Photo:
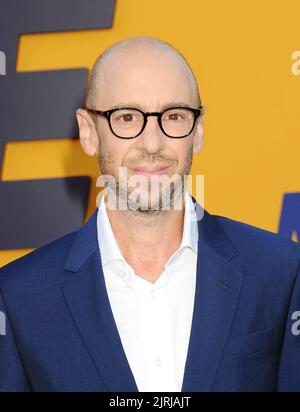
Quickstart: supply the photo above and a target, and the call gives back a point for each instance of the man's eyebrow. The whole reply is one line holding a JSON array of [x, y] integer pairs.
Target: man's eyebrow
[[137, 106]]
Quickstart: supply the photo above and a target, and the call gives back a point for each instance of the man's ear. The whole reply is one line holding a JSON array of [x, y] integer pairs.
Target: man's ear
[[87, 132], [199, 136]]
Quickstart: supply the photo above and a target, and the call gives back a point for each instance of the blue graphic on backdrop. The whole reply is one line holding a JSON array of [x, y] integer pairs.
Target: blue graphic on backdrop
[[41, 105]]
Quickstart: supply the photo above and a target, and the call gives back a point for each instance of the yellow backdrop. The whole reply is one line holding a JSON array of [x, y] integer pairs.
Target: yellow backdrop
[[243, 54]]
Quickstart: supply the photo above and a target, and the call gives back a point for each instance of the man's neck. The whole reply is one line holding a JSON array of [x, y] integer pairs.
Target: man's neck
[[147, 242]]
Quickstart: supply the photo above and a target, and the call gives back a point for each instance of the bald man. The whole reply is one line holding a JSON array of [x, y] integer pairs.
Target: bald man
[[153, 293]]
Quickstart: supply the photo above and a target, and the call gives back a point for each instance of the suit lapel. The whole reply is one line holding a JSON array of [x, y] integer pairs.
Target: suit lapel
[[88, 303], [219, 279], [218, 283]]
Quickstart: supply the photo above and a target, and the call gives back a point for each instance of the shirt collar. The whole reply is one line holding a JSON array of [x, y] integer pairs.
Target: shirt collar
[[108, 244], [190, 226]]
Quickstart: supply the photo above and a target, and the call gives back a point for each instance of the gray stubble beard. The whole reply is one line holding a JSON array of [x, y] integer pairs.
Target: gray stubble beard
[[175, 195]]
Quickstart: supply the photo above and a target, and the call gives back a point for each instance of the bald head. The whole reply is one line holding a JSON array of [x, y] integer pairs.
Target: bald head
[[133, 52]]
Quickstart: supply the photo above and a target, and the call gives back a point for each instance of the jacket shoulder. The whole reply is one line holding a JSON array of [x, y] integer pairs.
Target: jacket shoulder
[[45, 259], [258, 242]]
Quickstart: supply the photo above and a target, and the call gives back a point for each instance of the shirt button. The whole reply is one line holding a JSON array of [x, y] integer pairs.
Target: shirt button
[[152, 293], [122, 273], [157, 362]]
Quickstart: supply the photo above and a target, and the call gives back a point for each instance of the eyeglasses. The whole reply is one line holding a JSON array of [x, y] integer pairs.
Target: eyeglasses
[[128, 122]]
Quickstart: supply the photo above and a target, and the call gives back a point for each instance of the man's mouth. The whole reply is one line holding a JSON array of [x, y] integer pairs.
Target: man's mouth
[[146, 171]]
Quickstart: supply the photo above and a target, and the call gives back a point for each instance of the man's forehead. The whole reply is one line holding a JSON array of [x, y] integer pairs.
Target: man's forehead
[[144, 66], [159, 103], [147, 98], [143, 75]]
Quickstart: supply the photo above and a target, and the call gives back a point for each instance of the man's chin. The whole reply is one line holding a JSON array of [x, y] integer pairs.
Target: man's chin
[[146, 205], [153, 204]]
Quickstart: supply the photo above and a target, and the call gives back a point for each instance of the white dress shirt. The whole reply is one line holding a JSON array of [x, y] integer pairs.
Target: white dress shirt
[[153, 320]]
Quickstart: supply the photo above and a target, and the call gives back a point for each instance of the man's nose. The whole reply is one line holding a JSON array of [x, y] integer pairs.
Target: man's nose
[[152, 139]]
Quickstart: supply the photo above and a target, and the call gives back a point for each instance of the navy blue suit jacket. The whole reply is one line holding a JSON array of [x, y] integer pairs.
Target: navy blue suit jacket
[[61, 334]]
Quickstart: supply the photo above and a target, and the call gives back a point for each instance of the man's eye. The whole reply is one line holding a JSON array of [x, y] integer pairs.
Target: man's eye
[[128, 117], [175, 116]]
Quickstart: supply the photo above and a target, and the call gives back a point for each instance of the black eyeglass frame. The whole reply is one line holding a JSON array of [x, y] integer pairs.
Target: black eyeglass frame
[[107, 114]]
